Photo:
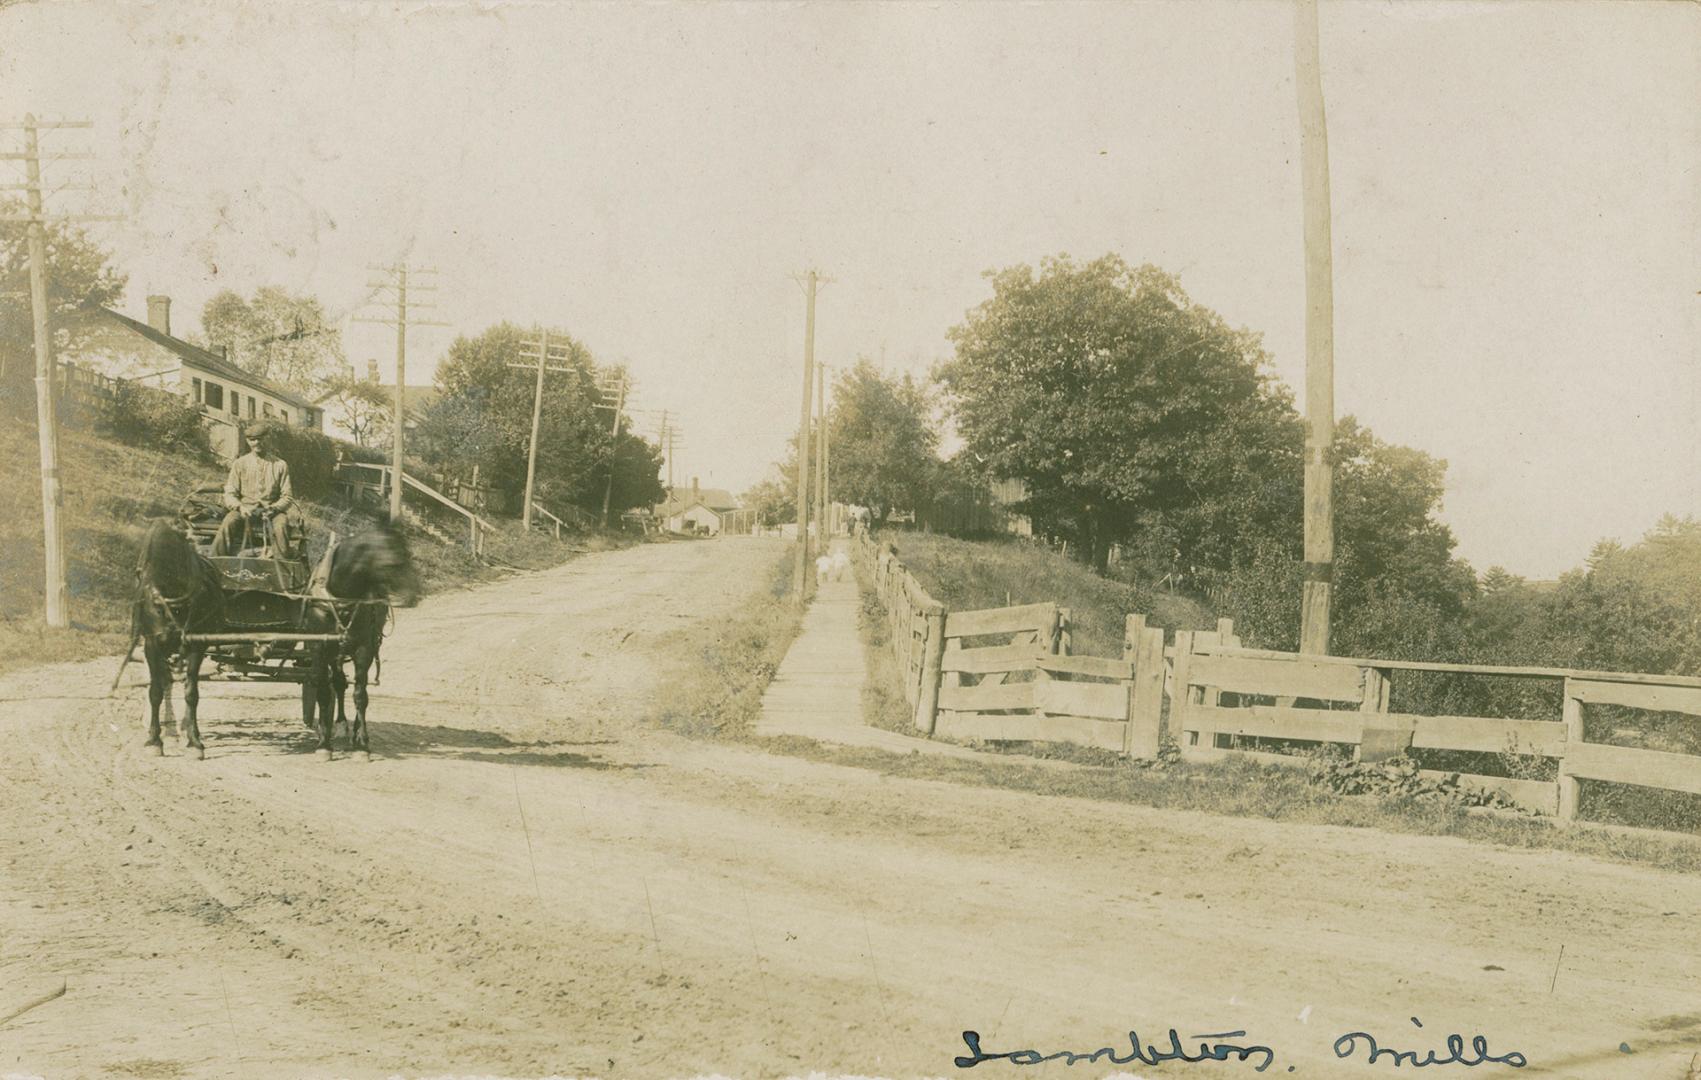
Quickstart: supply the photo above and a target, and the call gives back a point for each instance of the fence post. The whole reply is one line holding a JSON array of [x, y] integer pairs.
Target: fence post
[[1065, 639], [1570, 789], [1144, 645], [1181, 694], [933, 655], [1377, 741], [1132, 627]]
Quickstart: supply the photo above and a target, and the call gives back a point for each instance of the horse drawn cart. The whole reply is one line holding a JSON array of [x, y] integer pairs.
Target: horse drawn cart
[[261, 617], [266, 599]]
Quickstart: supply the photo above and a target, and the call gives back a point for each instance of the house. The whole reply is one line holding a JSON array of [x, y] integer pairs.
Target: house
[[697, 509], [119, 347], [416, 399]]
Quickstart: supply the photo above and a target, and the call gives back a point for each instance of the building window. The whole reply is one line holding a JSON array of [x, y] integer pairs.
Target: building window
[[197, 398], [235, 404], [266, 408], [283, 414], [250, 406], [214, 395]]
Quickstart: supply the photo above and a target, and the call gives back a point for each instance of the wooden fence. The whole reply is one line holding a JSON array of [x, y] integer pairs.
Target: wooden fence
[[370, 482], [1007, 674]]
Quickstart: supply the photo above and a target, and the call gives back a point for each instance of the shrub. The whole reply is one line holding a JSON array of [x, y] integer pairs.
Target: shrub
[[157, 419], [312, 458]]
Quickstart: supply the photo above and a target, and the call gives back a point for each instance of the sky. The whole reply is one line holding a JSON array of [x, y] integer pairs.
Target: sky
[[1516, 210]]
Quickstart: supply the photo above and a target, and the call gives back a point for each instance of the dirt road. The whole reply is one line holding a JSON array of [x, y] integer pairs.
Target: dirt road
[[529, 880]]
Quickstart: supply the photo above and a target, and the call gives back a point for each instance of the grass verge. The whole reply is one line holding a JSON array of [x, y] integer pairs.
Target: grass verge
[[714, 688], [1247, 789]]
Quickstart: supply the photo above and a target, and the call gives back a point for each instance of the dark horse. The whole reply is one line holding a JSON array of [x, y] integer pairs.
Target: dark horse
[[177, 593], [368, 572]]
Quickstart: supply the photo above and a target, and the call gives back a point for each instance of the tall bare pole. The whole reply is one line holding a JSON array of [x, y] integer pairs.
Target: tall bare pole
[[1319, 335], [800, 579], [399, 413], [821, 452], [401, 321], [826, 465], [539, 348], [56, 605]]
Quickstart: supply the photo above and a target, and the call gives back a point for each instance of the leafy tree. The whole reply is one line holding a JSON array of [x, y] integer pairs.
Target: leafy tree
[[774, 499], [1123, 404], [1399, 590], [277, 335], [1386, 499], [366, 408], [79, 271], [882, 440], [637, 475], [483, 418]]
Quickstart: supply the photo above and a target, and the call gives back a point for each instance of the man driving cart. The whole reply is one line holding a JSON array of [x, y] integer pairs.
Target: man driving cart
[[257, 495]]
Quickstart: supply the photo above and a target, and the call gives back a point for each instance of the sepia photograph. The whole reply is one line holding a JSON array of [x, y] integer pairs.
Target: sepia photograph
[[807, 538]]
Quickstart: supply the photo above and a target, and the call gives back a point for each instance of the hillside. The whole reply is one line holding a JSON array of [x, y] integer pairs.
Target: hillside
[[112, 492]]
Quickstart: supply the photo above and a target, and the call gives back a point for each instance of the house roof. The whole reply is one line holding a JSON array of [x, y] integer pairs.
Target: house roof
[[210, 362], [418, 397], [680, 500]]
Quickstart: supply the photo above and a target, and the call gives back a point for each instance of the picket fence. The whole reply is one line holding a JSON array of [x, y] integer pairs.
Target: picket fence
[[1008, 674]]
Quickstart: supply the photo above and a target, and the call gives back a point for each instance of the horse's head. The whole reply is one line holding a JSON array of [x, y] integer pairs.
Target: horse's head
[[374, 564], [170, 571]]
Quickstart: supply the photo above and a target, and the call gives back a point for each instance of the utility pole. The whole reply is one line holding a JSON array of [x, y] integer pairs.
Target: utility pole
[[667, 450], [613, 388], [56, 597], [821, 504], [1319, 335], [401, 321], [540, 349], [800, 578]]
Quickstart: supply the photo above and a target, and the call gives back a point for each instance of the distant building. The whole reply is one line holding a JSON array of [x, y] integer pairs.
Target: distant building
[[121, 348], [416, 399], [699, 509]]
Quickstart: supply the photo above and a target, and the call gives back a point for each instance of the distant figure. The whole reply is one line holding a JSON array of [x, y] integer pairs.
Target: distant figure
[[823, 567], [841, 562]]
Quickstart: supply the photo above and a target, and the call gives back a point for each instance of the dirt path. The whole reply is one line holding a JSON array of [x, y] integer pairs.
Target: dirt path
[[529, 880]]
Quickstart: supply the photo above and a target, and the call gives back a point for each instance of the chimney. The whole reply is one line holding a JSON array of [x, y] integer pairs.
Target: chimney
[[159, 313], [694, 487], [372, 371]]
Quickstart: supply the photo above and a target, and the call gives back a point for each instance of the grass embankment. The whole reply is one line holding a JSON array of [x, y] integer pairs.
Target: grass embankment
[[982, 574], [715, 686], [112, 492], [970, 575]]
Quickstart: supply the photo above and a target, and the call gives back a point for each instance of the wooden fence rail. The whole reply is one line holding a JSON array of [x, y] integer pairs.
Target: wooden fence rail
[[1007, 674]]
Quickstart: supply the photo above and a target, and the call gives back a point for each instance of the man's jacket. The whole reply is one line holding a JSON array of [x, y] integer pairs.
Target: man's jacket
[[257, 479]]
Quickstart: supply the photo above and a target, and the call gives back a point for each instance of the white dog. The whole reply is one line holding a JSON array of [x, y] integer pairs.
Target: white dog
[[823, 567], [841, 563]]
